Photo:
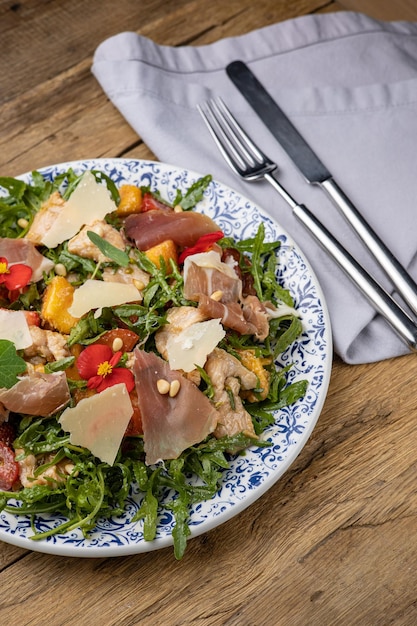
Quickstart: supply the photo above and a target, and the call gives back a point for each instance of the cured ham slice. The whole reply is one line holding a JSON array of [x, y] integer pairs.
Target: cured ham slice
[[170, 424], [153, 227], [247, 318], [231, 315], [37, 394], [24, 251], [256, 314], [205, 273], [205, 276]]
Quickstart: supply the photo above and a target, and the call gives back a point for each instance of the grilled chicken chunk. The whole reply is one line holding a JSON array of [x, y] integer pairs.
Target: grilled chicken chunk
[[228, 376]]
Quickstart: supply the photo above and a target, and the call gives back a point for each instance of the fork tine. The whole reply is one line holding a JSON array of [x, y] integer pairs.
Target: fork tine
[[232, 132], [255, 153], [223, 142], [237, 148]]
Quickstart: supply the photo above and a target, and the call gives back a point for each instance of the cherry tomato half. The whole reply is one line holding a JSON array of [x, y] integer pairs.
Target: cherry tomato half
[[9, 469]]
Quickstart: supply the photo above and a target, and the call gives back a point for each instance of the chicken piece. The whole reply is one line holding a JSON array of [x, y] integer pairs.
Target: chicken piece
[[82, 245], [45, 217], [178, 319], [52, 476], [47, 346], [228, 376], [131, 274]]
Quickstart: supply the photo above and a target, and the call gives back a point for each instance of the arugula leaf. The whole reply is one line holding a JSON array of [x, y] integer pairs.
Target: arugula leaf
[[115, 254], [59, 366], [195, 193], [15, 187], [10, 364]]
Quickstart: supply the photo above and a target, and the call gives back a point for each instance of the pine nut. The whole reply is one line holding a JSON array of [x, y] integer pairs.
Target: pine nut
[[140, 286], [60, 269], [22, 222], [117, 344], [217, 295], [174, 388], [163, 386], [178, 208]]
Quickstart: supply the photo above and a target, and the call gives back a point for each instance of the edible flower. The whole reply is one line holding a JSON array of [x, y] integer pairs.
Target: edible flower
[[203, 244], [97, 364], [14, 276]]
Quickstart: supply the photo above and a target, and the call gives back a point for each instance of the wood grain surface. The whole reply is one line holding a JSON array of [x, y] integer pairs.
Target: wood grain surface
[[334, 542]]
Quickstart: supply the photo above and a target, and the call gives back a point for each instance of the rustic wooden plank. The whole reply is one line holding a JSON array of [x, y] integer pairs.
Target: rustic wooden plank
[[10, 554], [328, 537], [383, 9], [65, 116], [62, 34]]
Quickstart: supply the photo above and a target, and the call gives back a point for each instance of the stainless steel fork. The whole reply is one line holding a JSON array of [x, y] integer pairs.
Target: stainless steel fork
[[249, 162]]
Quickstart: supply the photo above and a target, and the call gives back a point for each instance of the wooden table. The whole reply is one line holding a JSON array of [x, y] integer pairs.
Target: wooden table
[[334, 542]]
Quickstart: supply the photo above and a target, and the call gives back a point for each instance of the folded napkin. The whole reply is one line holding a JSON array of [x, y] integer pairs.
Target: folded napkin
[[349, 84]]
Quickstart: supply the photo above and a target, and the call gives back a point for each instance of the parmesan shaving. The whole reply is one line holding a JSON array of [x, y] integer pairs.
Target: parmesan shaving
[[96, 294], [89, 202], [99, 422], [14, 327], [193, 344]]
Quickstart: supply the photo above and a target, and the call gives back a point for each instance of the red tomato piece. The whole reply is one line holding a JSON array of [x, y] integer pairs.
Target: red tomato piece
[[135, 425], [9, 469], [32, 318], [7, 433], [150, 203], [128, 337]]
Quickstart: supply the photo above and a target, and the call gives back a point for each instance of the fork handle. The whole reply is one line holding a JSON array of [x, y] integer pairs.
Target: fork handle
[[400, 278], [380, 299]]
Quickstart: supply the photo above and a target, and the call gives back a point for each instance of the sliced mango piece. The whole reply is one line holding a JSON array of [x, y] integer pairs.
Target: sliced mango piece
[[56, 301], [256, 365], [130, 200], [167, 250]]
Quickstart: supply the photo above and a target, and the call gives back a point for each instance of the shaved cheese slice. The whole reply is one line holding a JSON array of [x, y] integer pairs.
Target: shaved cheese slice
[[14, 327], [99, 422], [89, 202], [95, 294], [193, 344]]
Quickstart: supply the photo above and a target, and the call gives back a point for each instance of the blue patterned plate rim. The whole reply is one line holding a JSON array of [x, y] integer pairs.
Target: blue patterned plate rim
[[249, 476]]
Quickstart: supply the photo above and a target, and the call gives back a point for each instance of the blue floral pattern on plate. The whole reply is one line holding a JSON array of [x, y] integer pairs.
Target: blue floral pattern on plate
[[251, 475]]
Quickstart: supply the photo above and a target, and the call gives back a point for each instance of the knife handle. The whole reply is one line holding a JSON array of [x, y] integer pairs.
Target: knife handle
[[405, 285], [380, 299]]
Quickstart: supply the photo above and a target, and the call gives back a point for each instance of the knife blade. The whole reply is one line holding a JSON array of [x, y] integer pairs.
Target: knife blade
[[315, 172]]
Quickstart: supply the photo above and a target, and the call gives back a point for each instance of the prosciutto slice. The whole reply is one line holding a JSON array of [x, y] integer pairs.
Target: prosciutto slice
[[37, 394], [153, 227], [24, 251], [170, 425], [208, 279], [230, 314]]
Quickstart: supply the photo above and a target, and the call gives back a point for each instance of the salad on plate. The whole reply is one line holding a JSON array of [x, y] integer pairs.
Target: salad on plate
[[138, 351]]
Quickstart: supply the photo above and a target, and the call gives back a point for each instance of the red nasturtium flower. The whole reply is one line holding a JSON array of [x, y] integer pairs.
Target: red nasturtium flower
[[97, 365], [14, 276], [203, 244]]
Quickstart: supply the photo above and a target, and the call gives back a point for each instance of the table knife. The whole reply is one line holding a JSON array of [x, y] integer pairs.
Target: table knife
[[316, 172]]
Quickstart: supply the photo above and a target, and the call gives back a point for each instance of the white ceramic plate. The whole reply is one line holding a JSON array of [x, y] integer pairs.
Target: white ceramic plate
[[249, 476]]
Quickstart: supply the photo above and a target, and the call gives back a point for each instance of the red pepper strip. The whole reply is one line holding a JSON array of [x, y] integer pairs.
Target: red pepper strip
[[203, 244], [150, 203]]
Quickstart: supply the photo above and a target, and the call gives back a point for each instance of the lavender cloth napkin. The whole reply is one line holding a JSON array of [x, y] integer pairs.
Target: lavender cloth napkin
[[349, 84]]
